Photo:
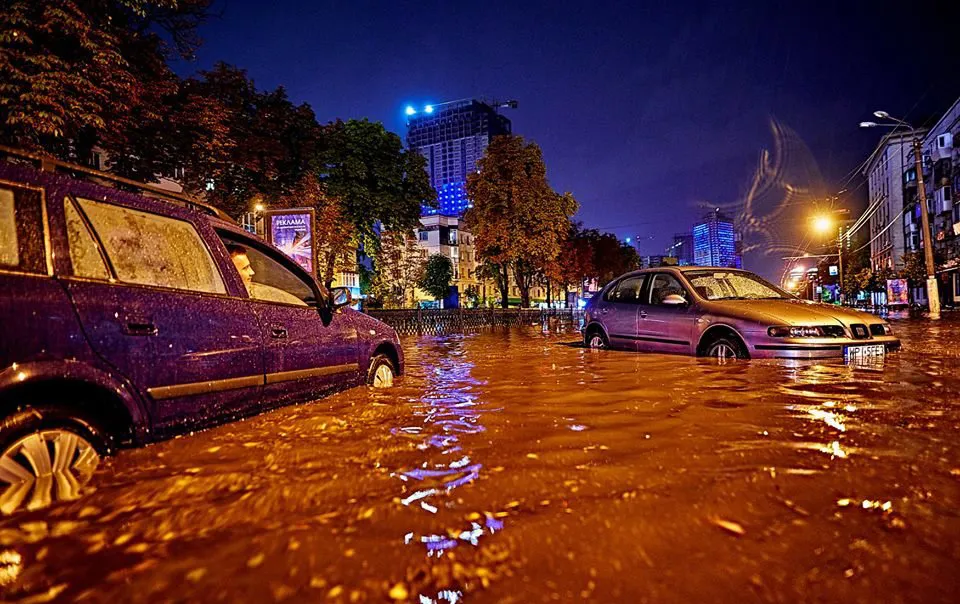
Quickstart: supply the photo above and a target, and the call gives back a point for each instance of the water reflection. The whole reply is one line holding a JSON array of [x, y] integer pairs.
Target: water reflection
[[450, 414]]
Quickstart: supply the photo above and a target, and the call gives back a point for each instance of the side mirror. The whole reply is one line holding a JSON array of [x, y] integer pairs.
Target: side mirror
[[674, 300], [340, 297]]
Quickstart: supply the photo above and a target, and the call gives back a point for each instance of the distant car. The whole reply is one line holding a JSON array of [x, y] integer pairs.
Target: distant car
[[127, 319], [727, 314]]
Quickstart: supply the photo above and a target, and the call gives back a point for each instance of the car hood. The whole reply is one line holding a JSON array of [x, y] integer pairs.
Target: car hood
[[367, 326], [789, 312]]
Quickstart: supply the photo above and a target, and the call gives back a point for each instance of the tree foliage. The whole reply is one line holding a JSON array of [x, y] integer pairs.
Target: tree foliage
[[398, 268], [437, 276], [366, 167], [517, 220], [79, 73]]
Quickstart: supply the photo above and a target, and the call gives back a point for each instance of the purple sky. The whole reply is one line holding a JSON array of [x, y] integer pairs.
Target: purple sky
[[648, 115]]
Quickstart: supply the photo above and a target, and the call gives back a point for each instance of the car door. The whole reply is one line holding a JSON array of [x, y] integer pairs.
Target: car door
[[153, 304], [308, 349], [665, 327], [618, 311]]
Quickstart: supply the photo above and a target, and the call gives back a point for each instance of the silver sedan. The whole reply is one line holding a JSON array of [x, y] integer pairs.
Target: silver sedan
[[726, 313]]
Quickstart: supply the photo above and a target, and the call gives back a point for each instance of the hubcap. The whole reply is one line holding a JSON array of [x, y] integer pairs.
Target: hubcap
[[383, 377], [44, 467], [724, 351], [596, 341]]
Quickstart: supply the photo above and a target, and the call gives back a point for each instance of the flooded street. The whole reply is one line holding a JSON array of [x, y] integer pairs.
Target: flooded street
[[515, 466]]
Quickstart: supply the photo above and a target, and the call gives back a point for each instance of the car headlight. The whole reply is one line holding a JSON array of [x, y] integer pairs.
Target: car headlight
[[881, 329], [805, 331]]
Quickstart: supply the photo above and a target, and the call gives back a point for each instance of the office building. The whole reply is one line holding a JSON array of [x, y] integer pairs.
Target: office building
[[715, 242], [452, 137], [681, 249]]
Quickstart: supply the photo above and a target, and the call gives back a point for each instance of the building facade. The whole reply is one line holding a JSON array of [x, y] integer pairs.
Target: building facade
[[452, 137], [715, 242], [890, 228], [681, 249], [941, 174]]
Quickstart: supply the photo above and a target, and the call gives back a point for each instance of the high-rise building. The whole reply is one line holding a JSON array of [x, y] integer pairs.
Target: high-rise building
[[715, 242], [453, 137], [681, 249]]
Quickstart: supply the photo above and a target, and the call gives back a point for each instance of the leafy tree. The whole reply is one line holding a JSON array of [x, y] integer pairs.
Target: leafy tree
[[398, 268], [611, 258], [378, 181], [914, 269], [574, 264], [437, 275], [80, 73], [334, 244], [261, 148], [517, 220]]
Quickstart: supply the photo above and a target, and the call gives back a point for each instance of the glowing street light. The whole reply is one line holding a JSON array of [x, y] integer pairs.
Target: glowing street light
[[822, 224], [428, 109], [410, 110]]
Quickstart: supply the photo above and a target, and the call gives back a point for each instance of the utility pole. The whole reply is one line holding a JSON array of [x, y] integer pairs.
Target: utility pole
[[840, 262], [933, 292]]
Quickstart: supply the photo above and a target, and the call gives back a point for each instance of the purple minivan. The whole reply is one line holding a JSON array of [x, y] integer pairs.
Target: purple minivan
[[129, 316]]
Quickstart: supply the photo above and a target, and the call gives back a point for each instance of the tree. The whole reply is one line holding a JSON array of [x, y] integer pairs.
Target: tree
[[333, 236], [574, 264], [398, 269], [437, 275], [517, 220], [378, 181], [80, 73], [914, 269], [611, 258]]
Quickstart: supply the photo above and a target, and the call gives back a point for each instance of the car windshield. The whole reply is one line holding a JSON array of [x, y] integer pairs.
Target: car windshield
[[730, 285]]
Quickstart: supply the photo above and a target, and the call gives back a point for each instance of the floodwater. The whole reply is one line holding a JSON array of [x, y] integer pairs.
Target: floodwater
[[512, 466]]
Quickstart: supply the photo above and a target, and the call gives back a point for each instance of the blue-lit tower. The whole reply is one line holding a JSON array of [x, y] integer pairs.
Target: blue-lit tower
[[715, 242], [453, 137]]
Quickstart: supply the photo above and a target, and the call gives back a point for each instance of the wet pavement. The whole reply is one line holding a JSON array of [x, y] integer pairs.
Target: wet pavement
[[512, 466]]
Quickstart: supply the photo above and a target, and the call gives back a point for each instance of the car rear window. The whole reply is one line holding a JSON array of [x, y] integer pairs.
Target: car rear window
[[21, 230], [149, 249]]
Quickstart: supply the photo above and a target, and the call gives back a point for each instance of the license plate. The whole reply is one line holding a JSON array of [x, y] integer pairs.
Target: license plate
[[863, 353]]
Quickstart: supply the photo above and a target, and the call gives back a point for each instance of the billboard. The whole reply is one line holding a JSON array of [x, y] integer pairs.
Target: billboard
[[292, 231], [897, 292]]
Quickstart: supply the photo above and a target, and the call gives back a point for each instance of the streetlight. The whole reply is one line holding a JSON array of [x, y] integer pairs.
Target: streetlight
[[823, 224], [933, 291]]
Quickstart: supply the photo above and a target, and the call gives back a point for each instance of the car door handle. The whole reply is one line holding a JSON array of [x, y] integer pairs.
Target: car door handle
[[278, 331], [604, 310], [140, 328], [643, 314]]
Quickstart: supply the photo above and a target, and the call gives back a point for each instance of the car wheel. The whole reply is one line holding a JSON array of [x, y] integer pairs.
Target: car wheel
[[382, 372], [596, 340], [47, 454], [725, 349]]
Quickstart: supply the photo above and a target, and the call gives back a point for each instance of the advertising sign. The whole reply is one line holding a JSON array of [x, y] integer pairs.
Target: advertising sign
[[897, 292], [834, 271], [292, 231]]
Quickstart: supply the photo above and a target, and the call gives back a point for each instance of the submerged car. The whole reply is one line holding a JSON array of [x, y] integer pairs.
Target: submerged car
[[727, 314], [133, 316]]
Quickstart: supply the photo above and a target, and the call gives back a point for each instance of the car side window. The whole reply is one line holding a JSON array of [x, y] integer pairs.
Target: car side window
[[149, 249], [264, 278], [21, 230], [84, 250], [627, 291], [663, 285]]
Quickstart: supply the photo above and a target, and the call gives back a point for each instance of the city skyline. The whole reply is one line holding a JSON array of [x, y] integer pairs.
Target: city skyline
[[648, 125]]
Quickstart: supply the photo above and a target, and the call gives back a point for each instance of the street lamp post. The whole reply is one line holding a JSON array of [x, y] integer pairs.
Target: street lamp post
[[823, 224], [933, 291]]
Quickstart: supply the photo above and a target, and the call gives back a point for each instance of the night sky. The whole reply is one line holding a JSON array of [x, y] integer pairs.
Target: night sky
[[649, 115]]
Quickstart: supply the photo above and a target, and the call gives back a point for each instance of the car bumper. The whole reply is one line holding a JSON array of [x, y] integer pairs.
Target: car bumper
[[814, 348]]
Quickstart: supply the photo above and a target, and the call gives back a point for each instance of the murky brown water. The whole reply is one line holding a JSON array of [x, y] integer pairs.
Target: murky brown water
[[513, 467]]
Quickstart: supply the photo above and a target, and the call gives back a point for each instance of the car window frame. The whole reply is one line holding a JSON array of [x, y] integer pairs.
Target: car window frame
[[648, 290], [616, 286], [245, 240], [114, 278], [46, 249]]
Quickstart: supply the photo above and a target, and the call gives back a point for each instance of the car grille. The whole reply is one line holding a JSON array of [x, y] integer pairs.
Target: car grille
[[877, 329], [859, 331]]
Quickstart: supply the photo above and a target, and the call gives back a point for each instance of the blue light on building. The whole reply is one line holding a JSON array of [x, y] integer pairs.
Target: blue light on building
[[715, 242], [410, 110]]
